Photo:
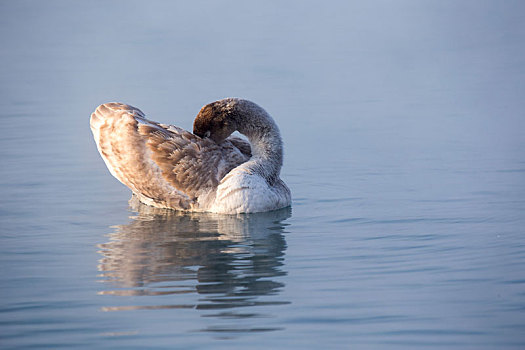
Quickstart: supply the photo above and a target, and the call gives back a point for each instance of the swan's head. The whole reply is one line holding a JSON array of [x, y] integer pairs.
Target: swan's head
[[217, 120]]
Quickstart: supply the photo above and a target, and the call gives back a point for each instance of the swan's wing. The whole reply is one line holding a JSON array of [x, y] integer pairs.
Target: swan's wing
[[243, 145], [164, 165]]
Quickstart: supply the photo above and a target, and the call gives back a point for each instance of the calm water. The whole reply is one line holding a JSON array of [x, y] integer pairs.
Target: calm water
[[405, 152]]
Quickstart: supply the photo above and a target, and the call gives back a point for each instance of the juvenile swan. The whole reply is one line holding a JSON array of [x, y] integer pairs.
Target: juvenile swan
[[168, 167]]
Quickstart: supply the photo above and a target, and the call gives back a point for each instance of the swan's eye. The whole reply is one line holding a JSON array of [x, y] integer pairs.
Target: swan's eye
[[207, 134]]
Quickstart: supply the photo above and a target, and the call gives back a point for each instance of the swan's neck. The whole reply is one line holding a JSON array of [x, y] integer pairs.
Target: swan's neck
[[266, 143]]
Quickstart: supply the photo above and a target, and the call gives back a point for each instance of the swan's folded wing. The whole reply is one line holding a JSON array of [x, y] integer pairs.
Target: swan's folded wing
[[242, 145], [164, 165]]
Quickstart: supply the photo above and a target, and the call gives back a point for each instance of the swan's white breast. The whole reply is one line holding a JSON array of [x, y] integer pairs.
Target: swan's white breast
[[243, 191]]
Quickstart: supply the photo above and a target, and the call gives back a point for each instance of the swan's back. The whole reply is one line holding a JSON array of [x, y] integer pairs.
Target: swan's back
[[165, 166]]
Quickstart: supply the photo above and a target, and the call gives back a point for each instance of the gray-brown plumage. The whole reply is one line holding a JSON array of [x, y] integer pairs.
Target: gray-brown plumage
[[209, 170], [158, 162]]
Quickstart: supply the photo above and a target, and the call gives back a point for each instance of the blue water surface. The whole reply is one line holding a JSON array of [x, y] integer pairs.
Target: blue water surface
[[403, 124]]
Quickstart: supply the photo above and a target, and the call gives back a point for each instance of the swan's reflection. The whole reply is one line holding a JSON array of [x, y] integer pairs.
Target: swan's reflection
[[230, 261]]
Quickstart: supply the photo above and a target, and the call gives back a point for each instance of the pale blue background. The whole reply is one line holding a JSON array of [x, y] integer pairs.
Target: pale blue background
[[403, 124]]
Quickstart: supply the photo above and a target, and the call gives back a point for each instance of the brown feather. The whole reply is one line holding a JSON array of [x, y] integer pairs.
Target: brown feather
[[166, 164]]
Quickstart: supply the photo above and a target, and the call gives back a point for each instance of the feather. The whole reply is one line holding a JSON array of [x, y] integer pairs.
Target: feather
[[164, 165]]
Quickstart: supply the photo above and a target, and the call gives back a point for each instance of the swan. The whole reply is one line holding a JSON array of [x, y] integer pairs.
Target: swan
[[205, 171]]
